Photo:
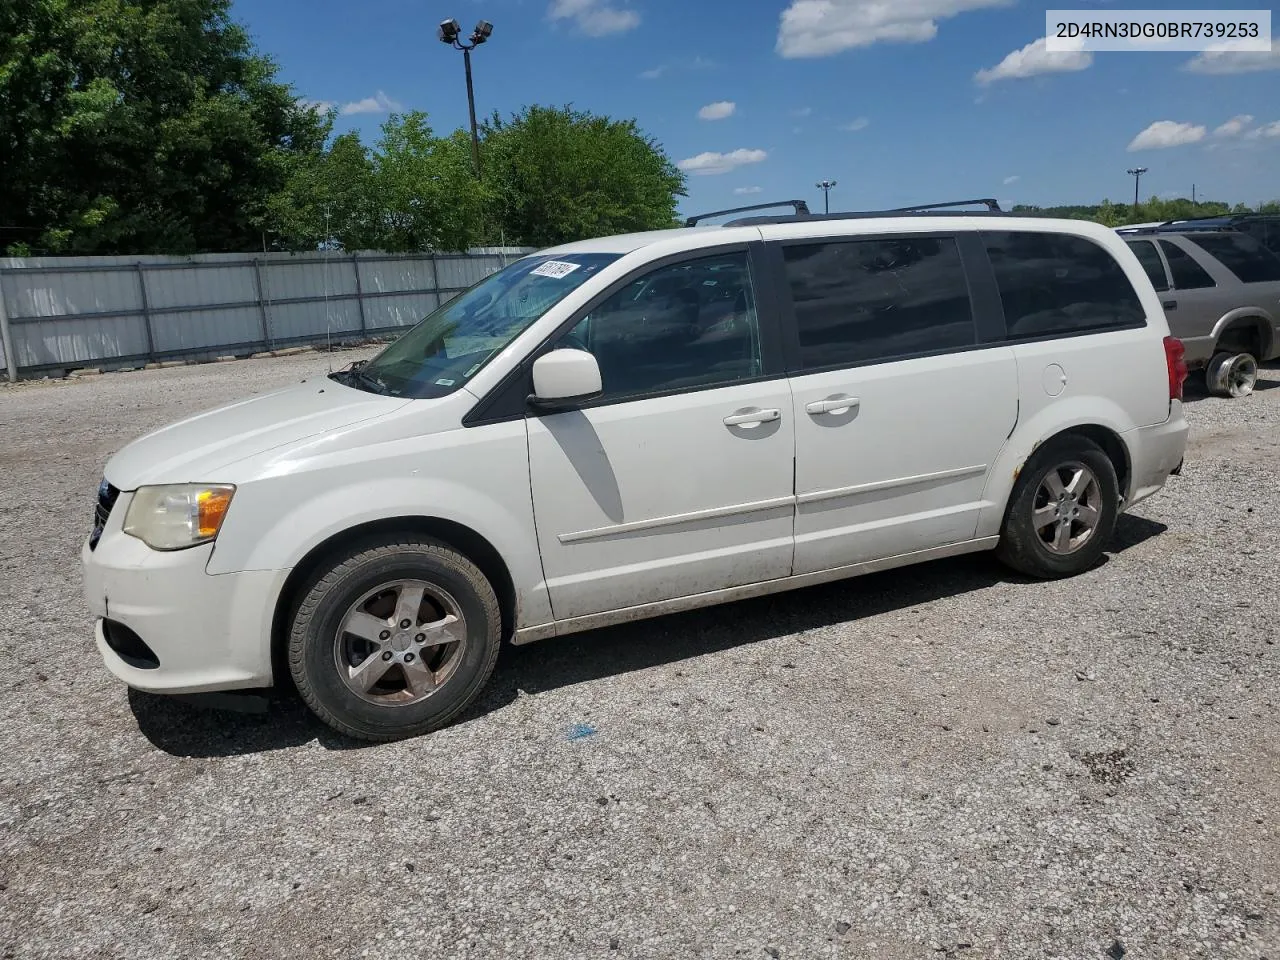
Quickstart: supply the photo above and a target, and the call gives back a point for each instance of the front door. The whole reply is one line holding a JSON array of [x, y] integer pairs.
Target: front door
[[678, 480], [899, 411]]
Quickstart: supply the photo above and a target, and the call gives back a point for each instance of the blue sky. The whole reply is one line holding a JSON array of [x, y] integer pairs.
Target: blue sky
[[899, 101]]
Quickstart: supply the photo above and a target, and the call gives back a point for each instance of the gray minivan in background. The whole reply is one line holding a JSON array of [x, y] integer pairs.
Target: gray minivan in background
[[1220, 288]]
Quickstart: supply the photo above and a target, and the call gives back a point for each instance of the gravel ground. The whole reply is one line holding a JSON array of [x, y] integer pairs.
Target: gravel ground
[[941, 761]]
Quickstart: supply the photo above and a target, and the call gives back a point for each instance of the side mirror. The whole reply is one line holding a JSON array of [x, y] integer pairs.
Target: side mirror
[[565, 377]]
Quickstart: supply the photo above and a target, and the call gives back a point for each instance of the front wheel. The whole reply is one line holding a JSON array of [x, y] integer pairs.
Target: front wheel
[[394, 640], [1062, 512]]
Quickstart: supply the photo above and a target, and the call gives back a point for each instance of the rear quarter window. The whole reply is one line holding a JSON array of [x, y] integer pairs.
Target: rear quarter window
[[1054, 284], [1244, 256]]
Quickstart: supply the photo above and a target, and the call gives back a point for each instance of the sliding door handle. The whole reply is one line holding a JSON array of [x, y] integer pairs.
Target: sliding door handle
[[836, 405]]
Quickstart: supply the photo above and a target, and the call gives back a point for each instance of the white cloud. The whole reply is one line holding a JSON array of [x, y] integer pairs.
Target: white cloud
[[1034, 59], [1234, 61], [709, 163], [820, 28], [718, 110], [802, 112], [378, 103], [853, 126], [1234, 127], [1267, 130], [1167, 133], [595, 18], [692, 63], [747, 191], [319, 106], [1014, 179]]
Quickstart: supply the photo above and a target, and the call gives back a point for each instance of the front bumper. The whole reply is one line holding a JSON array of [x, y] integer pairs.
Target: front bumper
[[1156, 452], [207, 632]]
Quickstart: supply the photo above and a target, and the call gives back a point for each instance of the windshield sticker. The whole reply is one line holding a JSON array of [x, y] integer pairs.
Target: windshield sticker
[[471, 371], [444, 383], [555, 268]]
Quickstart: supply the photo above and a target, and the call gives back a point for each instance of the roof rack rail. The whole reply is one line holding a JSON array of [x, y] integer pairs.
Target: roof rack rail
[[991, 204], [801, 208]]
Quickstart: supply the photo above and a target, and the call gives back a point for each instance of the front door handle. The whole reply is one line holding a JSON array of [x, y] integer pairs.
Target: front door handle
[[1170, 304], [838, 405], [752, 418]]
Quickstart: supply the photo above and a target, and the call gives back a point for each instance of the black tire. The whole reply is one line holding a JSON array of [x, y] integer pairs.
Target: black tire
[[329, 596], [1021, 546]]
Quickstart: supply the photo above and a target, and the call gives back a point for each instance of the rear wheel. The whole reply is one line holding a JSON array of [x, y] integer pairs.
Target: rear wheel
[[1063, 510], [395, 640], [1231, 374]]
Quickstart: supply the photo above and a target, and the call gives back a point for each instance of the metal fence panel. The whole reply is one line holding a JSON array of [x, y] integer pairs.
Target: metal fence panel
[[204, 285], [201, 331], [295, 321], [78, 342], [63, 312], [56, 294], [385, 312]]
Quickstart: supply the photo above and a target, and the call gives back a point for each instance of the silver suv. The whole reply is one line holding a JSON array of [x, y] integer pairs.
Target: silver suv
[[1220, 289]]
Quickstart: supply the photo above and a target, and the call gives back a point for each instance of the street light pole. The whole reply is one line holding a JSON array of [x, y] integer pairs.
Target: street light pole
[[471, 107], [825, 186], [1136, 173], [449, 34]]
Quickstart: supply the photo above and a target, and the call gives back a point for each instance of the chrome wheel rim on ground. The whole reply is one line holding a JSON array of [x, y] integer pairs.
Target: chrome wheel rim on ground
[[400, 642], [1242, 374], [1067, 508]]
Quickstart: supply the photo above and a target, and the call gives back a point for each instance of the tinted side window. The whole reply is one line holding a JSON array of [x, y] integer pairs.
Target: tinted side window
[[1266, 232], [864, 300], [1242, 255], [1149, 257], [1187, 274], [684, 326], [1051, 283]]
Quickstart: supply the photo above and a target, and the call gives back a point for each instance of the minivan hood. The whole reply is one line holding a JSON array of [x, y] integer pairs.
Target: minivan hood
[[194, 449]]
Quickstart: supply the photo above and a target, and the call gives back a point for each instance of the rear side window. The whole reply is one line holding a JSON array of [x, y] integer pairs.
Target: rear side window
[[1266, 232], [1055, 284], [1242, 255], [866, 300], [1149, 257], [1187, 274]]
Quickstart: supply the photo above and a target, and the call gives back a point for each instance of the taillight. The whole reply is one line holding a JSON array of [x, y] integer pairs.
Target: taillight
[[1175, 353]]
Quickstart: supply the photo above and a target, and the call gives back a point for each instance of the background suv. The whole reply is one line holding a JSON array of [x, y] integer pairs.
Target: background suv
[[1220, 288]]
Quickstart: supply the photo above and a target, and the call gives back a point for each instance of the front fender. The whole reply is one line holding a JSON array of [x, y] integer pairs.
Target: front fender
[[476, 478], [1028, 436]]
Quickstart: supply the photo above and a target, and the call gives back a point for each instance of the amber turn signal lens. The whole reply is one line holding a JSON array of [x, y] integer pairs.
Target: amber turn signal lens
[[212, 509]]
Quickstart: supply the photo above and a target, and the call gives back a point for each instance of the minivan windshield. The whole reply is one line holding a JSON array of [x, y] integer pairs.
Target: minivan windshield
[[445, 350]]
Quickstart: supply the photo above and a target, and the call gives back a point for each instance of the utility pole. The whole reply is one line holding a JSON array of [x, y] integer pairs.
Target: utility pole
[[1136, 173], [825, 186]]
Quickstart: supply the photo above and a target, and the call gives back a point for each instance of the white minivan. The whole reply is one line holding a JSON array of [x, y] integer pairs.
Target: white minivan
[[634, 425]]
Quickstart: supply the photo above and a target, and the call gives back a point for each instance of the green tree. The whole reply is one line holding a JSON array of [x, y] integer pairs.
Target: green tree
[[411, 191], [329, 199], [137, 126], [427, 191], [559, 174]]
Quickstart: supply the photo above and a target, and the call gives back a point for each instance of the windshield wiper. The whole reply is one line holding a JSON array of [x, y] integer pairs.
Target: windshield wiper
[[374, 384], [353, 377]]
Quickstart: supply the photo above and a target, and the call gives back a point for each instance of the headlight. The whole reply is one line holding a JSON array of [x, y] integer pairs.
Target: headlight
[[177, 516]]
